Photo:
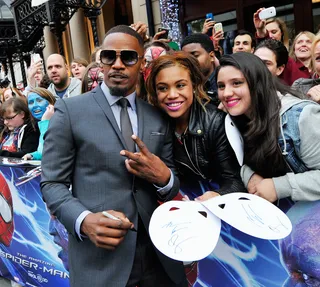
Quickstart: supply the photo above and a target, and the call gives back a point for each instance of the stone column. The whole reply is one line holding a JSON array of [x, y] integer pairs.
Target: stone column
[[101, 28], [68, 45], [51, 43], [78, 34]]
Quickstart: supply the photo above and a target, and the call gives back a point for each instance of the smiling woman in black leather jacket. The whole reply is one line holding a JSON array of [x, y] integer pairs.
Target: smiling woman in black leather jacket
[[201, 148]]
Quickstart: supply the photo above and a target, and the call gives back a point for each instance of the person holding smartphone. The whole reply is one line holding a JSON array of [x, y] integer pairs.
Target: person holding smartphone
[[208, 26], [35, 73], [163, 33], [274, 28], [214, 34]]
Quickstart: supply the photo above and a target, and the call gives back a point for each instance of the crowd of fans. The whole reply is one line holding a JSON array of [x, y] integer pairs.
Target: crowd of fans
[[26, 115], [269, 89]]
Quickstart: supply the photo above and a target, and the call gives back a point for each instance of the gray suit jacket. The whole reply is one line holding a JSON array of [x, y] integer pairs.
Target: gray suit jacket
[[82, 147]]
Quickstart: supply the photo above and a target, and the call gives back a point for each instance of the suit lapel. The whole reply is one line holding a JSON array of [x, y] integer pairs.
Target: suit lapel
[[104, 105]]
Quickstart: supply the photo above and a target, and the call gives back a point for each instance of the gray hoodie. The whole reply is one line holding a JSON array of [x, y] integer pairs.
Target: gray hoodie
[[74, 89], [299, 186]]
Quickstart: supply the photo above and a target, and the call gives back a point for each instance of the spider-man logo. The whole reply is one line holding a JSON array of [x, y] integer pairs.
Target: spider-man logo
[[6, 213]]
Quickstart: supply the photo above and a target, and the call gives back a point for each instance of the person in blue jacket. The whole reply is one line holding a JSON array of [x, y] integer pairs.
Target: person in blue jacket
[[40, 103], [280, 131]]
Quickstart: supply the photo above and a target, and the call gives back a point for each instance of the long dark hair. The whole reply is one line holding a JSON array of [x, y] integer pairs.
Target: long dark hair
[[262, 130]]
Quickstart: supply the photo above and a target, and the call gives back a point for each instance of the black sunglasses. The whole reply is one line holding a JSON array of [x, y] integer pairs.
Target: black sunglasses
[[128, 57]]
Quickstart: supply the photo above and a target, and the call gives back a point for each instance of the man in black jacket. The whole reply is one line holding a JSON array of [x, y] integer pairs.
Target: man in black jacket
[[200, 46]]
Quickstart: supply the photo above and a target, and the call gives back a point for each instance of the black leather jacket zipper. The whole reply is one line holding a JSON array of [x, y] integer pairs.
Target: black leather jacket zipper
[[194, 169]]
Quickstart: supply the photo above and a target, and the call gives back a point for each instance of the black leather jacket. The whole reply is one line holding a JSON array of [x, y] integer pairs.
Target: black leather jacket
[[204, 151], [210, 88]]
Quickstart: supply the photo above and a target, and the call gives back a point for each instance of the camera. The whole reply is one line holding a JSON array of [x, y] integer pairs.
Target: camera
[[4, 83]]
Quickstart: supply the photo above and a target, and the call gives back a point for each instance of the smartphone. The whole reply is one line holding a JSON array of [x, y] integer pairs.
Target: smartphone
[[36, 58], [218, 27], [267, 13], [211, 18], [164, 35]]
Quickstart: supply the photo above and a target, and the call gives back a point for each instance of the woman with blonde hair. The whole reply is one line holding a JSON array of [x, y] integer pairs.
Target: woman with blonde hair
[[201, 150], [301, 50], [311, 87], [40, 103]]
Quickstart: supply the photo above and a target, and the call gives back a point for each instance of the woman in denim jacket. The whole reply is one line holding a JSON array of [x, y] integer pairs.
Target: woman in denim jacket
[[281, 133]]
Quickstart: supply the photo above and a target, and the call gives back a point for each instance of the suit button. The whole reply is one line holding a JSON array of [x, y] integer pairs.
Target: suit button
[[135, 190]]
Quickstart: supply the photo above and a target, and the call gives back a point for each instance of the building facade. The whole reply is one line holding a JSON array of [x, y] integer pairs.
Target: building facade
[[78, 38], [299, 15]]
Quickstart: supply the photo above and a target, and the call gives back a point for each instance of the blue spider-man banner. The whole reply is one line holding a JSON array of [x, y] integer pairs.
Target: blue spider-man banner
[[244, 261], [33, 244]]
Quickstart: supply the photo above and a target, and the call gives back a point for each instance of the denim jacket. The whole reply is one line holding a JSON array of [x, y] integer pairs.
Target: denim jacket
[[299, 141], [289, 139]]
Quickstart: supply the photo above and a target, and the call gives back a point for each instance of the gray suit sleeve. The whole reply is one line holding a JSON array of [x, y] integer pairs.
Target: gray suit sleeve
[[57, 167]]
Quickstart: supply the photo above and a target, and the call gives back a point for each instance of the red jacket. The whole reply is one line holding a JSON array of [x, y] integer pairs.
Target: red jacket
[[293, 71]]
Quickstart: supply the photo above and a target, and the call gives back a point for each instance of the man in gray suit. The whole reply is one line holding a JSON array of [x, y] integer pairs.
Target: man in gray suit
[[85, 147]]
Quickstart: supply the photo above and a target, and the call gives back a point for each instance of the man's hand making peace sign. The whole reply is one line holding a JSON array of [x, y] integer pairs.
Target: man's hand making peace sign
[[146, 165]]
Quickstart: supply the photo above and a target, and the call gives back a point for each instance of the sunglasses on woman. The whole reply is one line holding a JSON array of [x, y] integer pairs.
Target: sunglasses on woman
[[128, 57]]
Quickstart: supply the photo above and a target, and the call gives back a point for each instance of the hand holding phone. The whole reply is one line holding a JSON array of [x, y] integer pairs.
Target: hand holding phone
[[218, 27], [259, 24], [267, 13], [165, 34], [208, 24], [36, 58]]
